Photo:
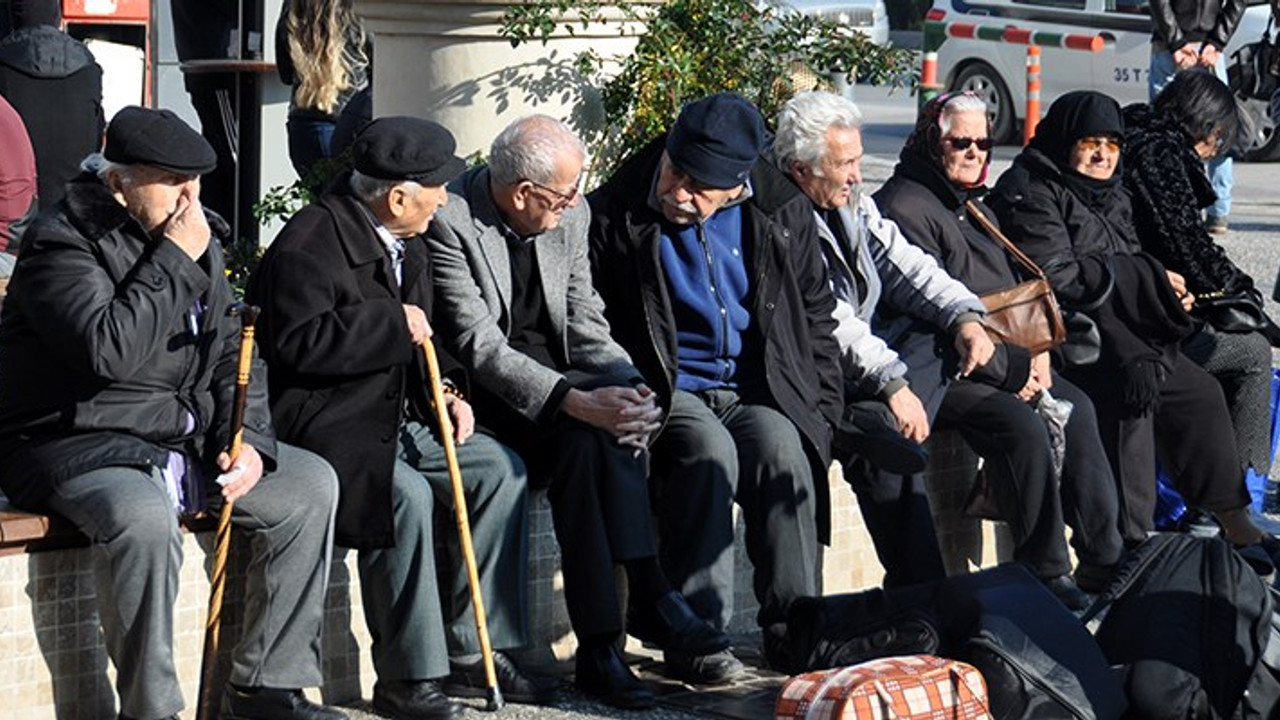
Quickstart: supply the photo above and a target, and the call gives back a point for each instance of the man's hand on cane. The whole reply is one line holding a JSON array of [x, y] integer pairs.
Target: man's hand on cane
[[462, 417], [237, 481]]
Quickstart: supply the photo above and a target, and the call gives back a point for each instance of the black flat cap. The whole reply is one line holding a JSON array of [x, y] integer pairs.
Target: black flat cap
[[717, 140], [141, 136], [407, 148]]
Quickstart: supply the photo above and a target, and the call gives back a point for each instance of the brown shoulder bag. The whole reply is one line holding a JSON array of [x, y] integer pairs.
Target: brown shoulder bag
[[1026, 314]]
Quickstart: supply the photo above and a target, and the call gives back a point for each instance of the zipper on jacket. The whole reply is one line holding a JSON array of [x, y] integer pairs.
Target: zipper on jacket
[[722, 347]]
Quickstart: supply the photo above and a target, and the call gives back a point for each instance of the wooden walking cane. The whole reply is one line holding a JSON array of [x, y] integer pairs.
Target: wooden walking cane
[[218, 580], [464, 524]]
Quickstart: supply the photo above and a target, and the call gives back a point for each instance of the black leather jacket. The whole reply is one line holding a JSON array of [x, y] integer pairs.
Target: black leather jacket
[[99, 361], [1178, 22]]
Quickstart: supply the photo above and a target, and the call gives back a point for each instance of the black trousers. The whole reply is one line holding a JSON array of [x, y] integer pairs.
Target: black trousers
[[1191, 432], [599, 506], [1015, 444], [719, 449]]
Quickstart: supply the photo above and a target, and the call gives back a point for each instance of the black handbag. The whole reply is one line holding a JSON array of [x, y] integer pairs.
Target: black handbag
[[1232, 312], [1255, 72]]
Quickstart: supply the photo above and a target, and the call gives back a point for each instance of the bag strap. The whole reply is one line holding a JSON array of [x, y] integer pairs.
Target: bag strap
[[889, 700], [994, 232]]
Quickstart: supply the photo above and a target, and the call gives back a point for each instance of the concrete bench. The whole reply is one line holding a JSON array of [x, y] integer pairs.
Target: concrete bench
[[53, 663]]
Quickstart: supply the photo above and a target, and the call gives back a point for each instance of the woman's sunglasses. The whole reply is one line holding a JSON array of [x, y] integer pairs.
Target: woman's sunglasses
[[962, 143], [1093, 144]]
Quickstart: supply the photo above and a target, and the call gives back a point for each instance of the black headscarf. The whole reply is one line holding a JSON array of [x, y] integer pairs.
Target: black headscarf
[[1076, 115]]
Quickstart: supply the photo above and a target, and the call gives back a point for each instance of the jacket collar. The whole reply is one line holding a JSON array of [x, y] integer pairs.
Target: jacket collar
[[91, 207], [355, 232]]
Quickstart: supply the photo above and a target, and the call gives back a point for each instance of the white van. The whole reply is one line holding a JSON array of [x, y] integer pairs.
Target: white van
[[998, 71]]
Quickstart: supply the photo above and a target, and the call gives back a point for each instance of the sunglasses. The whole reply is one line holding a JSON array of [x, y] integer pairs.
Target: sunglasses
[[963, 143], [1093, 144]]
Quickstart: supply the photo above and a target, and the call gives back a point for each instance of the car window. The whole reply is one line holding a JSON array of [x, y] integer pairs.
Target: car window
[[1066, 4], [1128, 7]]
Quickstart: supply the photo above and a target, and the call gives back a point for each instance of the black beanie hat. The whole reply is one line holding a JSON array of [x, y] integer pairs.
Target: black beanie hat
[[717, 140]]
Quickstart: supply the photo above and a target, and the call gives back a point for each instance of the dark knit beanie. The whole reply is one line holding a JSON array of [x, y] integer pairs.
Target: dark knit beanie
[[717, 140]]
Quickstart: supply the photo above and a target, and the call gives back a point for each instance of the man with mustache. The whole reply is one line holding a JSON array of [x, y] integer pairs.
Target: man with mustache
[[709, 265]]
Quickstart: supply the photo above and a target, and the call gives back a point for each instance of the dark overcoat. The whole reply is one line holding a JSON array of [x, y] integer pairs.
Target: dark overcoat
[[344, 373], [102, 363]]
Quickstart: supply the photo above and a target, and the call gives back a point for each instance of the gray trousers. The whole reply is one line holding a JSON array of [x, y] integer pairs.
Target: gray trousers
[[137, 553], [416, 618], [717, 450]]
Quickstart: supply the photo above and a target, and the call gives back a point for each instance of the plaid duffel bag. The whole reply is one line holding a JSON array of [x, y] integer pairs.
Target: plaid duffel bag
[[911, 687]]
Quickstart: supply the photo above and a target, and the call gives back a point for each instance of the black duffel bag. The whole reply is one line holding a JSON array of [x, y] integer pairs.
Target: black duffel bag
[[840, 630]]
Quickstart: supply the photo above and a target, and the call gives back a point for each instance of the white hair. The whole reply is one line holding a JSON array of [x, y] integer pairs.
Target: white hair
[[803, 124], [957, 104], [99, 165], [371, 189], [528, 149]]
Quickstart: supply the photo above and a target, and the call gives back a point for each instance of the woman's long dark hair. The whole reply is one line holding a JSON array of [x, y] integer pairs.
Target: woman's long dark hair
[[1203, 105]]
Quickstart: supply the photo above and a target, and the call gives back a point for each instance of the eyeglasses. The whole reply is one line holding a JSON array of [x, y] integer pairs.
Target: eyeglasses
[[1093, 144], [562, 198], [962, 143]]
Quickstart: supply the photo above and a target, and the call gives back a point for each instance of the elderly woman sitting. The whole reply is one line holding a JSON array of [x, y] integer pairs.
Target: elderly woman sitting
[[1194, 119], [1064, 204], [941, 169]]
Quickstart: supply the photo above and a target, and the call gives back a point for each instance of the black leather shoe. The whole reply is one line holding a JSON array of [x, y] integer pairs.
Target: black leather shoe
[[602, 674], [413, 700], [273, 704], [673, 626], [468, 680], [711, 669], [1094, 579], [1068, 593], [869, 430]]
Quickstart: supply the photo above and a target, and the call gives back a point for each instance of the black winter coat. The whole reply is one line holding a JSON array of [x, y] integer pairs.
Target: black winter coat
[[1093, 261], [1179, 22], [99, 361], [790, 298], [51, 79], [344, 372], [1169, 186], [930, 213]]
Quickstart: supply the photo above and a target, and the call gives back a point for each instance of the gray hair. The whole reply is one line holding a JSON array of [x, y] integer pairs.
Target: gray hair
[[371, 189], [528, 149], [99, 165], [803, 124], [959, 103]]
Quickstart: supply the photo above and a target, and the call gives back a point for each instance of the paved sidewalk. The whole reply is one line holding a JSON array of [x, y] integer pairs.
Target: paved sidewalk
[[749, 698]]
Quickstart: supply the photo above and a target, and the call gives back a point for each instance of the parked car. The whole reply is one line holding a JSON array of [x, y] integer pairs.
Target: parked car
[[997, 71], [868, 17]]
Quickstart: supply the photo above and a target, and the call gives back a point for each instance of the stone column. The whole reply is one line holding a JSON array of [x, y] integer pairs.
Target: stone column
[[445, 60]]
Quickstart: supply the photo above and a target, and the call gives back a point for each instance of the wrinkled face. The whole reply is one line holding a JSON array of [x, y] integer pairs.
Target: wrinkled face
[[963, 156], [686, 201], [151, 195], [833, 183], [539, 206], [1095, 157], [411, 210]]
